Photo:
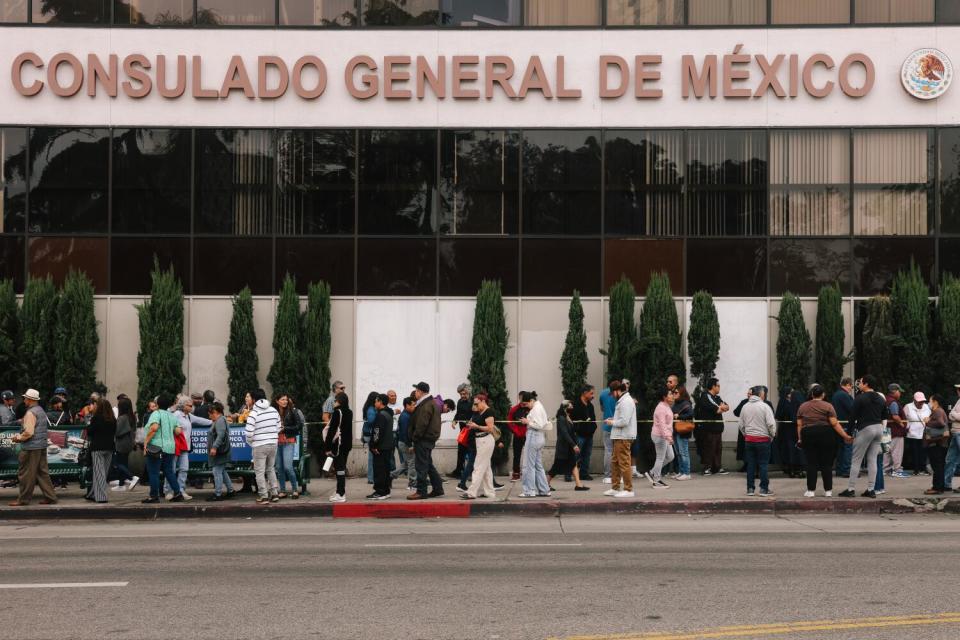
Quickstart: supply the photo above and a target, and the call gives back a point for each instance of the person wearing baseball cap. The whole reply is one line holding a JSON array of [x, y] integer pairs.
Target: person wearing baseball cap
[[916, 414], [8, 414], [424, 432], [33, 469]]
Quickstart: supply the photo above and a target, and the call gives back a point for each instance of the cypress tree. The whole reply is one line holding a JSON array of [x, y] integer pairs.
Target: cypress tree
[[489, 355], [878, 339], [830, 358], [316, 351], [662, 353], [910, 303], [160, 359], [77, 339], [241, 360], [703, 339], [9, 335], [574, 361], [38, 327], [793, 345], [948, 325], [623, 331], [285, 372]]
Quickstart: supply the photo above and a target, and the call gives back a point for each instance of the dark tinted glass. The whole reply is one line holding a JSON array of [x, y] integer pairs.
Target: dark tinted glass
[[71, 11], [153, 12], [948, 11], [236, 12], [316, 173], [557, 267], [398, 177], [481, 13], [727, 177], [68, 180], [644, 187], [803, 266], [950, 181], [637, 259], [151, 180], [397, 267], [13, 162], [561, 182], [131, 261], [877, 260], [465, 262], [11, 260], [13, 10], [399, 13], [329, 13], [479, 183], [950, 256], [224, 266], [727, 267], [316, 259], [56, 256], [234, 181]]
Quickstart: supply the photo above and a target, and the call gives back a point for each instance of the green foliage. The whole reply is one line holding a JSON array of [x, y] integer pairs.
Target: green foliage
[[160, 360], [703, 338], [910, 303], [76, 337], [316, 351], [9, 335], [574, 361], [662, 351], [878, 340], [489, 355], [285, 372], [793, 345], [948, 330], [242, 360], [623, 331], [38, 331], [830, 358]]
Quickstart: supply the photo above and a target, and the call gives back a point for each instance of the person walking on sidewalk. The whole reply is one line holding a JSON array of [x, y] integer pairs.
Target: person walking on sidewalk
[[381, 445], [567, 449], [218, 453], [425, 433], [623, 432], [608, 404], [759, 428], [514, 422], [662, 435], [262, 431], [869, 412], [953, 451], [160, 449], [483, 429], [710, 409], [893, 459], [101, 432], [817, 432], [124, 442], [842, 402], [338, 440], [533, 475], [936, 439], [917, 413], [584, 417], [33, 468]]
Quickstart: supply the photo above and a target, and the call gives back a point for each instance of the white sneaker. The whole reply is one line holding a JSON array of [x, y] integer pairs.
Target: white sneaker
[[186, 496], [828, 494], [118, 488], [682, 476], [624, 494], [880, 491], [808, 494], [168, 496], [114, 483], [338, 498], [132, 484], [660, 484], [610, 492], [608, 481], [635, 473]]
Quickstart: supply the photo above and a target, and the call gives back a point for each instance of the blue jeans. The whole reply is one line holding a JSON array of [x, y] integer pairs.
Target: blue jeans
[[845, 457], [165, 464], [468, 459], [182, 468], [285, 467], [757, 456], [533, 474], [682, 446], [369, 466], [878, 484], [221, 480], [401, 468], [953, 459], [586, 448]]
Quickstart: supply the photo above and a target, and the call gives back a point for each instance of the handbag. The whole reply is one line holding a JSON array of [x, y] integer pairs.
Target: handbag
[[684, 427], [463, 437]]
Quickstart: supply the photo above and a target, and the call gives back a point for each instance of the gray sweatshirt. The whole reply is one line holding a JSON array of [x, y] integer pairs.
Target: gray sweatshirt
[[756, 419]]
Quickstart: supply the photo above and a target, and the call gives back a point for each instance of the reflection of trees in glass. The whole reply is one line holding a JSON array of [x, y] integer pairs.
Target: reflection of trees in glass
[[397, 181], [644, 183], [151, 189], [561, 181], [950, 180], [315, 181], [14, 179], [810, 264], [73, 11], [399, 13], [479, 182]]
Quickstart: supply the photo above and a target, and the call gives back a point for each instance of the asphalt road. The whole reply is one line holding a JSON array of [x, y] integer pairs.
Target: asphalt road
[[490, 579]]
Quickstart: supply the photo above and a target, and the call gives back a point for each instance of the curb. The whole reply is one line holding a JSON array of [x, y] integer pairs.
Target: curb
[[449, 509]]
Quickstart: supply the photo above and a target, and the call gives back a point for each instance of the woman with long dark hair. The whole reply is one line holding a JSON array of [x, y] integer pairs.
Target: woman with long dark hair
[[291, 426], [125, 441], [100, 434], [682, 411], [369, 413], [338, 439]]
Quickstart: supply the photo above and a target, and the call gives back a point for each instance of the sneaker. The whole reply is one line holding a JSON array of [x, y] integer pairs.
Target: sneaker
[[608, 481], [543, 495], [373, 496], [467, 496], [930, 492], [828, 494], [847, 493], [660, 484], [528, 495], [150, 500], [338, 498], [880, 492], [114, 483], [809, 494], [682, 477], [925, 473], [118, 488], [647, 475], [707, 472], [168, 496], [624, 494], [215, 498], [514, 477], [766, 494], [186, 496], [497, 486], [133, 483], [177, 498], [462, 488], [610, 492], [868, 494], [383, 497], [750, 493], [722, 472]]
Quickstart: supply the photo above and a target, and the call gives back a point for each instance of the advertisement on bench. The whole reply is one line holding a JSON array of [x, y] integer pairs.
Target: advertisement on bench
[[239, 449], [63, 447]]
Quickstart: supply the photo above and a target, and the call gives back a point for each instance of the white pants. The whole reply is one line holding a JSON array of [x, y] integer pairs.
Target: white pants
[[664, 456], [482, 479], [893, 459]]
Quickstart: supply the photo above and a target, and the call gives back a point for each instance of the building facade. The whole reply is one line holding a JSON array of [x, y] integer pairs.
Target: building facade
[[404, 150]]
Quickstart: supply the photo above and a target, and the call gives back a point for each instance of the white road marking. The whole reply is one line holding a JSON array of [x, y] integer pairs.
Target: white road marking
[[498, 545], [63, 585]]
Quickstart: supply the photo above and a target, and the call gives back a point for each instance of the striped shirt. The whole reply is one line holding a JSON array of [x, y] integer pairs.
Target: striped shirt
[[263, 425]]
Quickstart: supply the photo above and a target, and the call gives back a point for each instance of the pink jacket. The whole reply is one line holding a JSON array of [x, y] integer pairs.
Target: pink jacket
[[663, 421]]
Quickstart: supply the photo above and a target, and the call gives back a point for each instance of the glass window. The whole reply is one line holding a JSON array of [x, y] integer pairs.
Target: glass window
[[481, 13], [316, 173], [234, 182], [13, 10], [398, 177], [236, 12], [397, 267], [131, 262], [803, 266], [561, 182], [400, 13], [320, 13], [950, 180], [893, 182], [636, 12], [224, 266], [727, 174], [950, 256], [569, 13], [57, 256], [557, 267], [151, 180], [153, 12], [637, 259], [479, 184], [810, 11], [465, 262], [316, 259], [948, 11], [71, 11], [644, 183], [68, 180], [876, 261], [893, 11], [809, 182], [13, 160], [11, 260], [721, 12], [727, 267]]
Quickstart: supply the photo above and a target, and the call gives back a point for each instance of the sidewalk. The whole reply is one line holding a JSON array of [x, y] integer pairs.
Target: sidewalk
[[702, 494]]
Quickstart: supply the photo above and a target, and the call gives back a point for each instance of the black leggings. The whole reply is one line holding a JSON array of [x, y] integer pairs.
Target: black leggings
[[937, 456], [340, 466], [820, 445], [518, 452]]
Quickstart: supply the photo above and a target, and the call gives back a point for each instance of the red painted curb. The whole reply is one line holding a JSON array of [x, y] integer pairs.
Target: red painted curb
[[410, 510]]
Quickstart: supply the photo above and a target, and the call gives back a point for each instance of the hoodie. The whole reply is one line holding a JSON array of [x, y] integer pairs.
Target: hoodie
[[263, 425], [756, 421], [624, 425]]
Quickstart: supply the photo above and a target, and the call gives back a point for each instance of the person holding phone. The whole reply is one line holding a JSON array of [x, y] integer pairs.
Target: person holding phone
[[483, 432]]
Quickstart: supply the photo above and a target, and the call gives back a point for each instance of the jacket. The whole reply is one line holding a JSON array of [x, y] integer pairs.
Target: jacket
[[517, 412], [124, 438], [263, 425], [566, 438], [955, 418], [426, 421], [624, 425], [403, 427], [708, 409], [756, 419], [663, 422], [382, 437], [537, 418], [219, 438], [585, 419], [7, 415], [101, 433], [338, 436], [292, 426]]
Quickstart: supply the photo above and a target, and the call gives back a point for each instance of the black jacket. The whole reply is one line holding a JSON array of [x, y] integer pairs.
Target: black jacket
[[706, 409], [293, 423], [566, 438], [584, 417], [341, 423], [425, 422], [101, 434], [382, 438]]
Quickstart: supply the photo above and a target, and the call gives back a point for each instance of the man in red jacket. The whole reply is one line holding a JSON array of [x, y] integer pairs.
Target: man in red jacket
[[519, 430]]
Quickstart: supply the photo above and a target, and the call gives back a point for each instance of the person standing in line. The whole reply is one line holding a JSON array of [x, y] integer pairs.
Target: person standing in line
[[33, 470], [514, 422], [482, 424], [203, 410], [842, 402], [917, 413], [584, 417], [463, 412], [8, 414], [396, 409], [893, 460], [869, 412], [710, 409], [953, 451], [817, 432], [936, 439], [160, 449], [381, 445], [682, 411], [369, 413], [425, 431], [338, 441], [124, 444], [336, 388], [567, 449], [218, 453], [534, 477], [608, 405], [759, 428], [623, 432], [662, 435], [409, 468], [186, 419], [791, 456], [291, 426], [262, 431]]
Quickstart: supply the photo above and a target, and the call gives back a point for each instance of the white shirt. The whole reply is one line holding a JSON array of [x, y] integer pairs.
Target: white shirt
[[396, 416], [915, 418]]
